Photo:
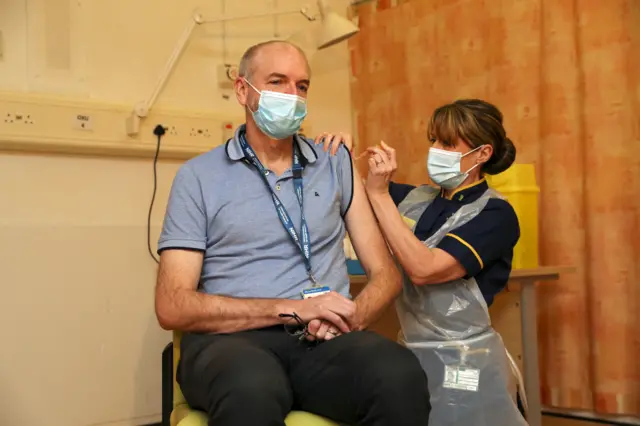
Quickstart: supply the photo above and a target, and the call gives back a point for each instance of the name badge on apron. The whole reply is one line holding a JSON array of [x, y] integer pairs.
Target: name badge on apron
[[461, 377]]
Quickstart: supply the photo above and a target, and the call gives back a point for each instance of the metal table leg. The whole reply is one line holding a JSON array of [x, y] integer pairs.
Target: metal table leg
[[530, 348]]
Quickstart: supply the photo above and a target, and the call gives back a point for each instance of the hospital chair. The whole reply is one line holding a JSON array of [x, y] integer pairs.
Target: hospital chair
[[176, 411]]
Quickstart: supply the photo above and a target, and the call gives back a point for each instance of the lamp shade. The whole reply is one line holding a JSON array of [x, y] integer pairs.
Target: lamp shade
[[334, 29]]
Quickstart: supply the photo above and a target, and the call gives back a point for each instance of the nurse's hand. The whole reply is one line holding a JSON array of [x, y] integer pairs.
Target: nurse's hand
[[331, 142], [382, 166]]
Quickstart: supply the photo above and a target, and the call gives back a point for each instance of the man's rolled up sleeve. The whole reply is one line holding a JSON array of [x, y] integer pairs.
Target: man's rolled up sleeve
[[185, 224], [345, 176]]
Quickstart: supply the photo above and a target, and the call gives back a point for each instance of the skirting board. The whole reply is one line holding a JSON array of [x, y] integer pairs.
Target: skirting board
[[588, 417], [36, 124]]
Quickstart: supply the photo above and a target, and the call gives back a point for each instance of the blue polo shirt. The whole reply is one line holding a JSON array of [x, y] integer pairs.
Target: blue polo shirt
[[484, 245], [220, 205]]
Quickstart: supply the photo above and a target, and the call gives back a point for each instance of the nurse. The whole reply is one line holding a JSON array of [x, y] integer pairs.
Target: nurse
[[455, 246]]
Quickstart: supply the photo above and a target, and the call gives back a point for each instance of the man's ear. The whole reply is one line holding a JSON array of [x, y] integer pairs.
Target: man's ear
[[240, 87]]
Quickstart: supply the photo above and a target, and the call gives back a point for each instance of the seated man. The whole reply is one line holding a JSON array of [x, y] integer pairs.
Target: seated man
[[238, 250]]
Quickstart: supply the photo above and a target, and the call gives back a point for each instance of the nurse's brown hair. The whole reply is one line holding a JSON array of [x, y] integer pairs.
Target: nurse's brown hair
[[477, 123]]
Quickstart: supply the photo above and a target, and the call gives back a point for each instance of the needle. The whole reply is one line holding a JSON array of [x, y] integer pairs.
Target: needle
[[361, 155]]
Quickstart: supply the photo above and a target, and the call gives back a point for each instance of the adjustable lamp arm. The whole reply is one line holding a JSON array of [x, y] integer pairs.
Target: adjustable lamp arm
[[142, 109], [323, 8]]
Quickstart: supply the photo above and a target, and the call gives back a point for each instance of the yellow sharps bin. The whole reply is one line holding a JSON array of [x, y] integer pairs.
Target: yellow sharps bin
[[518, 186]]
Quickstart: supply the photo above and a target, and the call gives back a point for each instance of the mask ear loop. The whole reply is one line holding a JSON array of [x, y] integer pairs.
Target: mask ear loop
[[467, 153], [257, 91], [473, 167], [252, 86], [473, 150]]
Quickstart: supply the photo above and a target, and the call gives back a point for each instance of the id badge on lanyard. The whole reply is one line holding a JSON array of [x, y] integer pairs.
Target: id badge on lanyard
[[303, 242]]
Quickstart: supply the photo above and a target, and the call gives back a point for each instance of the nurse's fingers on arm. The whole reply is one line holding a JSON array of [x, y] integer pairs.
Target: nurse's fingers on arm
[[329, 139], [319, 138], [339, 139]]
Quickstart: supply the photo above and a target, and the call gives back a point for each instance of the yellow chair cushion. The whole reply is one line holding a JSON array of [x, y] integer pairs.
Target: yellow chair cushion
[[302, 418], [183, 415], [295, 418]]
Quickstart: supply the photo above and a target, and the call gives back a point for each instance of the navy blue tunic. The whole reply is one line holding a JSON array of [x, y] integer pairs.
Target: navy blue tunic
[[484, 245]]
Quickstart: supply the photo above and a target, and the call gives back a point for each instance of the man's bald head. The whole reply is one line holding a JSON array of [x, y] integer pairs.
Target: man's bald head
[[253, 56], [276, 66]]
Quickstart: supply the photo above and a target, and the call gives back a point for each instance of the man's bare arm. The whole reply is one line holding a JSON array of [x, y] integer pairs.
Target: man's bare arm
[[179, 306], [384, 278]]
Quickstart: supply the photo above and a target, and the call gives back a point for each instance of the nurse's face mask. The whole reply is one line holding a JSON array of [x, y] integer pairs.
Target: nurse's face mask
[[279, 115], [444, 167]]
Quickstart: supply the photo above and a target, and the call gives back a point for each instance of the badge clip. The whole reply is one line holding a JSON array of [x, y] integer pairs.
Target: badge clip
[[315, 290]]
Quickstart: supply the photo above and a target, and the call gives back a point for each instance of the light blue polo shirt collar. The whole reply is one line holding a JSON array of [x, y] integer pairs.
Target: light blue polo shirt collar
[[234, 151]]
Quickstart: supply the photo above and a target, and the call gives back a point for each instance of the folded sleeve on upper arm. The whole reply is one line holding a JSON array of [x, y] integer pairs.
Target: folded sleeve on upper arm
[[185, 224], [345, 175], [484, 239]]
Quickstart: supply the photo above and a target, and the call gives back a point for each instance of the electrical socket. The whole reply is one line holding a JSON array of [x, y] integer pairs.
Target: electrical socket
[[82, 122], [11, 118], [200, 132], [171, 130]]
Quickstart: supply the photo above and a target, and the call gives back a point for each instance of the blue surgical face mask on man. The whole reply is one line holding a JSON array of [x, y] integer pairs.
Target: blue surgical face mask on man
[[279, 115], [444, 167]]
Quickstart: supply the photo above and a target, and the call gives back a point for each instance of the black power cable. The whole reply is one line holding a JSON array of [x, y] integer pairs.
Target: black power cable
[[159, 131]]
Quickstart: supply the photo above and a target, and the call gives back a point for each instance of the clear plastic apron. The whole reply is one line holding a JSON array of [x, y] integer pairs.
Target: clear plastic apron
[[447, 326]]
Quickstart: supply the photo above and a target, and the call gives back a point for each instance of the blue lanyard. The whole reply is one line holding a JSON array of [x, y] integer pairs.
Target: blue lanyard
[[304, 243]]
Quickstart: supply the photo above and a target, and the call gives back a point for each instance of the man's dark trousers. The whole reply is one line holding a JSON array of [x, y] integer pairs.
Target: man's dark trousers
[[256, 377]]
